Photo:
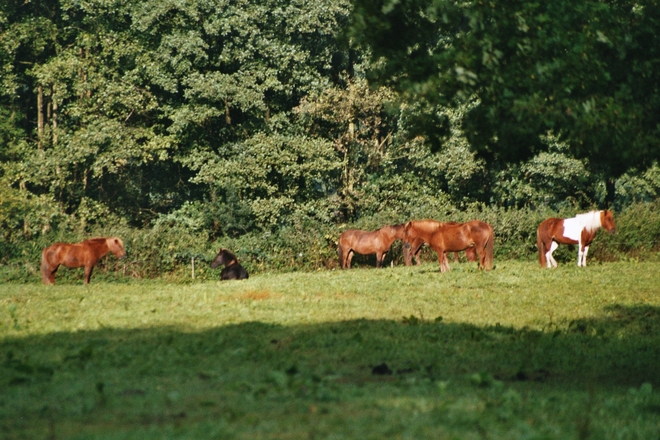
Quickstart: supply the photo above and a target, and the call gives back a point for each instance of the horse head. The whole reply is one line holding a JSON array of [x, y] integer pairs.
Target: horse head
[[224, 257], [607, 221], [116, 246]]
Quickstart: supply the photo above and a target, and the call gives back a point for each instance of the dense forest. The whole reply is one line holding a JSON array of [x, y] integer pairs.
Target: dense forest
[[270, 125]]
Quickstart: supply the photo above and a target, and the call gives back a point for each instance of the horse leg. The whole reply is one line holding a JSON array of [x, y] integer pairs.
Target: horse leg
[[579, 255], [88, 273], [343, 257], [379, 259], [481, 258], [349, 258], [445, 262], [582, 255], [407, 256], [48, 275], [418, 254], [548, 255], [442, 260]]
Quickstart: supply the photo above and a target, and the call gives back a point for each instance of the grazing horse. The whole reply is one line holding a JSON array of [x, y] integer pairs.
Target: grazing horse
[[452, 237], [419, 232], [232, 270], [85, 254], [364, 242], [579, 230]]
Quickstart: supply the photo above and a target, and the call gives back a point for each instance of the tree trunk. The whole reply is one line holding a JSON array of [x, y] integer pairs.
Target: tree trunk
[[54, 117], [40, 116], [227, 115]]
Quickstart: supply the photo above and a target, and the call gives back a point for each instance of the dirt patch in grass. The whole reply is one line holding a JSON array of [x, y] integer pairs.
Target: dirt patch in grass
[[256, 295]]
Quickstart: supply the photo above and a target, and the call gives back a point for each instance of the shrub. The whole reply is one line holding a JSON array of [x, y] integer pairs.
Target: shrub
[[311, 244]]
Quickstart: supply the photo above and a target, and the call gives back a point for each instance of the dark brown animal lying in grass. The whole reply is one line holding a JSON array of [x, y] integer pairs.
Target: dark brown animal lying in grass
[[232, 270]]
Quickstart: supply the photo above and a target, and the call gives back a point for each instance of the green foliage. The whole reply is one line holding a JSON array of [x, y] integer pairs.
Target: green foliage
[[635, 186], [180, 125], [551, 178], [577, 68]]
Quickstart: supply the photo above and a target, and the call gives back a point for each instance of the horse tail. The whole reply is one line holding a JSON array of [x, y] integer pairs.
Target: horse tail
[[488, 248], [540, 244], [340, 253]]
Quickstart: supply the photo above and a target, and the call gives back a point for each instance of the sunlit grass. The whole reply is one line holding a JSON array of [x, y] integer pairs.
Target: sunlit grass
[[518, 352]]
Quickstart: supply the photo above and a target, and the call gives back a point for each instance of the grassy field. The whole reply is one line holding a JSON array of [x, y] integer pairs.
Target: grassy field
[[516, 353]]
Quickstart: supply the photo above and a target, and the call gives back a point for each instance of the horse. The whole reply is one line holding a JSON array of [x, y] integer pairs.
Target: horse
[[419, 232], [365, 242], [451, 237], [579, 230], [232, 270], [85, 254]]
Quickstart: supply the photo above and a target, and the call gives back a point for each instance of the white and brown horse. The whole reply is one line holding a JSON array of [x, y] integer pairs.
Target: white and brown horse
[[365, 242], [579, 230]]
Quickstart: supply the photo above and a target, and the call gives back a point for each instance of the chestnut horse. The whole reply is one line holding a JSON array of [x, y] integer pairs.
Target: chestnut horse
[[579, 230], [232, 270], [451, 237], [85, 254], [364, 242], [419, 232]]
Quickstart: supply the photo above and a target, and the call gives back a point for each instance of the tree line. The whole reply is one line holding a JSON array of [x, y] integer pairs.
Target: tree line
[[252, 116]]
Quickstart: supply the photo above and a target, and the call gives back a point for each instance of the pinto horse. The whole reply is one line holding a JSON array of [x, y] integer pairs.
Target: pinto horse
[[72, 255], [364, 242], [232, 270], [419, 232], [579, 230], [452, 237]]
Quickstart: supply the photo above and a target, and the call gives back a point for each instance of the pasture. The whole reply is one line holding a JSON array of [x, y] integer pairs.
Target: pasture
[[519, 352]]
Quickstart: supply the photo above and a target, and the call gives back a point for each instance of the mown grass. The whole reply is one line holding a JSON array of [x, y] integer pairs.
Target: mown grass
[[515, 353]]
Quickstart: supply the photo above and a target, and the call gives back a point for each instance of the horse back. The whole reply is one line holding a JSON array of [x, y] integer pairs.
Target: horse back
[[550, 227], [358, 240], [234, 272], [421, 229], [454, 237], [75, 254], [565, 231]]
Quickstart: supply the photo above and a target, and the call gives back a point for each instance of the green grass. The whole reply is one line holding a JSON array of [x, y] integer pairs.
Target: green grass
[[515, 353]]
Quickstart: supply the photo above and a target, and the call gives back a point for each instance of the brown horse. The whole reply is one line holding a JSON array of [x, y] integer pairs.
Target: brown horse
[[459, 237], [85, 254], [364, 242], [419, 232], [232, 270], [579, 230]]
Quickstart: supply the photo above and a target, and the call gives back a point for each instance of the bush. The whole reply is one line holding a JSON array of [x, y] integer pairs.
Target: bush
[[309, 244]]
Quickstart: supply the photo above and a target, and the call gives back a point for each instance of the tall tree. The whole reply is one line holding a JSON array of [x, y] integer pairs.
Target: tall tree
[[586, 70]]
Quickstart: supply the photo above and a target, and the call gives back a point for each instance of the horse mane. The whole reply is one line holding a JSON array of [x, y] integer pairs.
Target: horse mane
[[589, 220], [118, 240], [96, 240], [228, 256]]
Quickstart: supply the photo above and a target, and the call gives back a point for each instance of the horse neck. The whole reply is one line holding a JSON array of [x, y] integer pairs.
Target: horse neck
[[591, 221], [391, 233], [229, 258], [399, 231]]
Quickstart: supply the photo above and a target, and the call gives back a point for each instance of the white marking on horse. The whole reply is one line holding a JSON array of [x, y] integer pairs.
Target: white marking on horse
[[550, 261], [573, 228]]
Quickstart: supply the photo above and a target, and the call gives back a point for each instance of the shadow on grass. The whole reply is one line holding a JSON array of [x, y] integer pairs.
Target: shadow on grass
[[166, 376]]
